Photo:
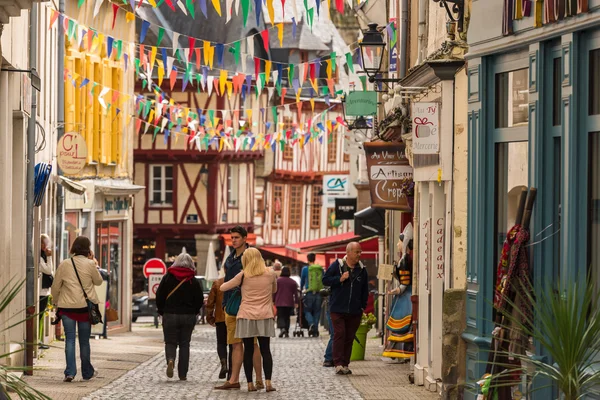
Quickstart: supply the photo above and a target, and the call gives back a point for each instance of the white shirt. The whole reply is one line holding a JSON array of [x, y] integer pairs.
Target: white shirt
[[48, 269]]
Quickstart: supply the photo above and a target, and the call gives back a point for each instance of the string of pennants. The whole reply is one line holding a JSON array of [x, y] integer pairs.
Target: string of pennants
[[206, 129]]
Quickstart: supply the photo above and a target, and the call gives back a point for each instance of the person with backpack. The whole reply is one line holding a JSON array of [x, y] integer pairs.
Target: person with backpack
[[179, 299], [349, 282], [311, 282]]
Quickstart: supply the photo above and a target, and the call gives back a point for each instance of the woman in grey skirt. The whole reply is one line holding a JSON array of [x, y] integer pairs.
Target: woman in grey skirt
[[255, 316]]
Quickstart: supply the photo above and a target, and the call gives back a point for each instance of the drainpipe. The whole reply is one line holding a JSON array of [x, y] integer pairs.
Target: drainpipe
[[30, 267], [403, 38], [421, 30]]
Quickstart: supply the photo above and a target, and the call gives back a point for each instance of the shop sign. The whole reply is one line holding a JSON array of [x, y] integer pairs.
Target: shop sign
[[191, 219], [345, 209], [425, 128], [388, 167], [361, 103], [71, 153], [393, 64], [74, 201], [26, 94], [335, 186], [115, 207]]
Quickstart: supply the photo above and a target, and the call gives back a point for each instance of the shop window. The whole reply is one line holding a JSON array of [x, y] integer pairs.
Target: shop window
[[512, 168], [512, 98], [277, 204], [161, 185], [332, 147], [594, 96], [174, 247], [315, 207], [556, 91], [295, 211], [109, 255], [593, 220], [233, 185]]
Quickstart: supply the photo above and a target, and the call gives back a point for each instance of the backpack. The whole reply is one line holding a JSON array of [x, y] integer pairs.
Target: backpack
[[315, 278]]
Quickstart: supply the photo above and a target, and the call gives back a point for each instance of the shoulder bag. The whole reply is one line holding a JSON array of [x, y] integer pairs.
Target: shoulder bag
[[93, 309], [233, 303]]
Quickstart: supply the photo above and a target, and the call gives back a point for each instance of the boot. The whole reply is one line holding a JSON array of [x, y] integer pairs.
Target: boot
[[281, 333], [223, 372]]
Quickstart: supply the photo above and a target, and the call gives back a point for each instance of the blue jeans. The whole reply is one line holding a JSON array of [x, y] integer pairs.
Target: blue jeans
[[312, 308], [85, 329], [329, 349]]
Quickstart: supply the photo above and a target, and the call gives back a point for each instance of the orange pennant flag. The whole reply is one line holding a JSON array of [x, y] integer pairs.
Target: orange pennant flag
[[173, 78], [330, 83], [283, 92], [197, 50], [222, 80], [53, 18], [329, 71], [312, 104]]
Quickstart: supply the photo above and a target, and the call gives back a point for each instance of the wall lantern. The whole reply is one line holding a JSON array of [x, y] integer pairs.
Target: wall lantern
[[372, 45], [458, 8], [204, 176], [36, 82]]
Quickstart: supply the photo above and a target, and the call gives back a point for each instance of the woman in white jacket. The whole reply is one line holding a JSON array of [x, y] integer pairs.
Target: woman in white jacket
[[46, 273], [67, 294]]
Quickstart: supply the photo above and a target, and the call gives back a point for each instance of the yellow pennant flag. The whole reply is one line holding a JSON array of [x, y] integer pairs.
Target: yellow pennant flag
[[152, 3], [271, 11], [176, 137], [249, 114], [329, 71], [152, 57], [222, 80], [229, 89], [212, 57], [329, 125], [280, 33], [220, 144], [129, 17], [298, 94], [150, 116], [206, 50], [217, 6], [267, 70], [161, 74], [313, 82], [312, 104]]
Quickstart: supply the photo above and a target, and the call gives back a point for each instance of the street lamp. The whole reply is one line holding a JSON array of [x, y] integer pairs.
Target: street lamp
[[372, 44]]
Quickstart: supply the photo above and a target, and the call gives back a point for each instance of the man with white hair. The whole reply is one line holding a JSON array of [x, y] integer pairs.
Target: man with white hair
[[349, 284]]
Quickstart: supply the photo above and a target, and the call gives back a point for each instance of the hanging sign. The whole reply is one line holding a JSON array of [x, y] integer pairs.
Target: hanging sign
[[335, 186], [71, 153], [361, 103], [426, 128], [388, 169], [345, 209]]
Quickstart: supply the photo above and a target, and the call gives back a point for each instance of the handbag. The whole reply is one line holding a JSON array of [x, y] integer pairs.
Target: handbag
[[112, 315], [93, 309], [47, 281], [233, 303]]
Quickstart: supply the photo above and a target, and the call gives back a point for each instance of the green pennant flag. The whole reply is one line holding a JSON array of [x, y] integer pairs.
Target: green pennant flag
[[325, 90], [190, 6], [274, 111], [363, 80], [290, 74], [237, 49], [245, 9], [349, 61], [278, 87], [159, 3], [178, 52], [161, 33], [71, 30], [394, 37], [156, 129], [211, 116], [119, 49], [147, 109], [137, 66], [282, 145], [144, 83], [238, 133], [80, 3], [333, 57], [140, 106], [311, 15]]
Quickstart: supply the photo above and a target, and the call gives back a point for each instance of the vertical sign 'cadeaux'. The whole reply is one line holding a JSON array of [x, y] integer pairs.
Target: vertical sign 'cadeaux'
[[388, 167]]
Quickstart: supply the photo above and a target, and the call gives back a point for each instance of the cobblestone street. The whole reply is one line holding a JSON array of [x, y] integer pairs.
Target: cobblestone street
[[297, 372]]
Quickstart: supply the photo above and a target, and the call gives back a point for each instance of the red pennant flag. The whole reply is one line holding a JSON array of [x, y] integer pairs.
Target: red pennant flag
[[309, 123], [53, 18], [312, 71], [198, 59], [299, 106], [339, 4], [172, 7], [173, 78], [256, 67], [90, 39], [66, 24], [115, 8], [142, 55], [191, 42], [265, 38], [138, 124], [283, 92]]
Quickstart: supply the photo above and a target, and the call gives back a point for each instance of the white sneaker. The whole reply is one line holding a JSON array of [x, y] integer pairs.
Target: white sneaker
[[339, 370]]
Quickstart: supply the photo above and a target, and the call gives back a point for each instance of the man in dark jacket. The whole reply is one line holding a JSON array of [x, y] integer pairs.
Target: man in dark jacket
[[179, 299], [349, 284]]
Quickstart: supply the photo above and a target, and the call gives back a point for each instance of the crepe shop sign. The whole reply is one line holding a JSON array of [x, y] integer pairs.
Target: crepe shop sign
[[426, 128]]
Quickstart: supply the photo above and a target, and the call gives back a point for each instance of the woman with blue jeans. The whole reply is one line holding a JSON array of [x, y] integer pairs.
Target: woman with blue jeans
[[68, 295]]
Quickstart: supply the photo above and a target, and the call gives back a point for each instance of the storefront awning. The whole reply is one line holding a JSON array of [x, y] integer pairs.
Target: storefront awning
[[370, 221], [250, 239], [71, 185], [331, 241], [282, 252], [116, 188]]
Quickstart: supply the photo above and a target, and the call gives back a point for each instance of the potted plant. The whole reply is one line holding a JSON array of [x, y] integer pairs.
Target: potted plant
[[360, 341], [407, 187]]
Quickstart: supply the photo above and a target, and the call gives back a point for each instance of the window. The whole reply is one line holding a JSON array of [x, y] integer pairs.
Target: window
[[233, 185], [556, 91], [161, 185], [346, 157], [277, 204], [315, 207], [295, 211], [332, 147], [109, 253], [512, 98], [594, 96], [288, 152]]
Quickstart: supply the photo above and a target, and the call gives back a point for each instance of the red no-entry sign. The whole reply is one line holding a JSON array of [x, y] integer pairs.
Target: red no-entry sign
[[154, 266]]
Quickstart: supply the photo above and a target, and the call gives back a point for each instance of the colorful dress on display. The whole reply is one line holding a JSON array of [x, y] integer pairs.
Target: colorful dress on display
[[400, 342]]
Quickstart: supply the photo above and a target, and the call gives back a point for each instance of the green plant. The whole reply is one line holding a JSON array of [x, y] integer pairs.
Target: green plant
[[566, 322], [8, 381]]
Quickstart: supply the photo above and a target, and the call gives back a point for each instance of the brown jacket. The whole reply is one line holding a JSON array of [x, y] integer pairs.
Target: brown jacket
[[214, 311]]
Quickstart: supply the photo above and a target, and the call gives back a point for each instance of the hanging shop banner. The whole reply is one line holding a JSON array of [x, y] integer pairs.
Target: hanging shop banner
[[392, 39], [426, 128], [72, 153], [389, 171], [361, 103], [335, 186], [345, 209]]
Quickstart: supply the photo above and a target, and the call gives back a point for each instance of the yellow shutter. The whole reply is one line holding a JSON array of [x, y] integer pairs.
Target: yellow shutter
[[96, 115], [89, 110], [69, 97]]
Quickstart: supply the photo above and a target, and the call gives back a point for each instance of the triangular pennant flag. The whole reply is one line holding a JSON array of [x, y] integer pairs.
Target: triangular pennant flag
[[97, 7], [329, 69], [228, 10], [152, 58], [144, 30], [267, 70], [250, 45], [109, 46], [220, 49], [210, 84], [363, 81], [245, 9], [198, 58], [170, 61], [80, 3], [182, 7], [175, 42], [84, 82], [280, 34], [270, 91], [339, 5], [311, 15], [191, 43], [294, 27], [172, 78], [115, 8], [129, 16], [299, 108], [217, 5], [257, 10], [349, 62], [312, 104], [271, 11], [189, 4], [161, 74], [237, 46], [291, 73], [333, 58], [204, 8], [222, 80], [256, 67], [163, 53]]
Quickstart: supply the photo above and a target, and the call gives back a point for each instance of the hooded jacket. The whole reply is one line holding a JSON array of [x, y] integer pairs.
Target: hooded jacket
[[187, 299], [350, 296]]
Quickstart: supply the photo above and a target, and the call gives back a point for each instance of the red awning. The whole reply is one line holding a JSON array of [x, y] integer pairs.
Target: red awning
[[250, 239], [280, 251], [326, 242]]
